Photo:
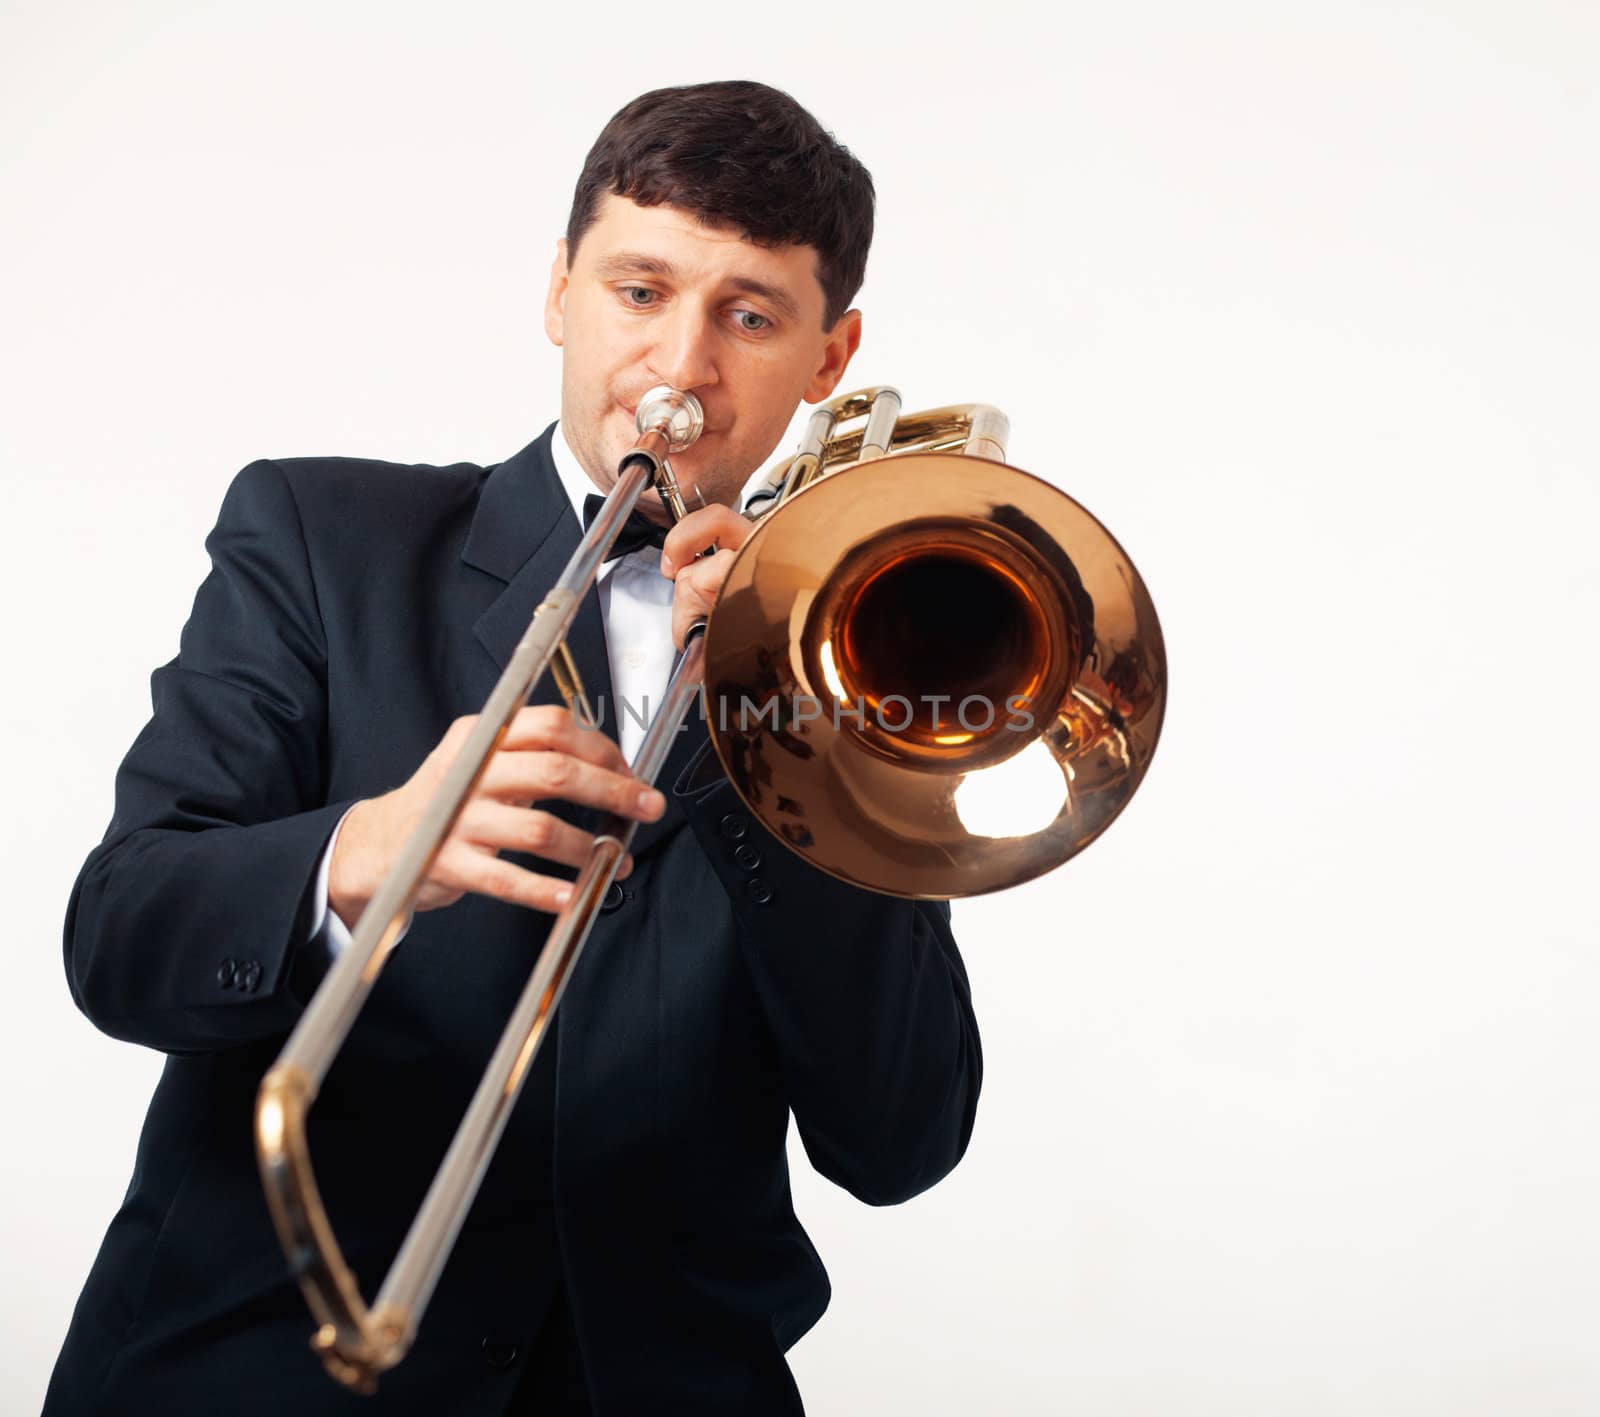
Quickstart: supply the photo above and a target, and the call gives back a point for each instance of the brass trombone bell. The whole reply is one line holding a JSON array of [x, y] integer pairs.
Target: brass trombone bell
[[933, 675]]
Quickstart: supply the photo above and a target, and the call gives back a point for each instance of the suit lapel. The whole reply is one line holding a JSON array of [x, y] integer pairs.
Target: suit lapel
[[524, 533], [501, 627]]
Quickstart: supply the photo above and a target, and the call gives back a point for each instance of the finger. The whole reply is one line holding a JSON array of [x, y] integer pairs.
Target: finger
[[523, 777], [695, 592], [708, 574], [552, 727], [503, 827], [470, 869], [703, 527]]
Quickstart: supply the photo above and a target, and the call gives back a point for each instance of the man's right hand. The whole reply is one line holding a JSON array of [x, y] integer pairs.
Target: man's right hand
[[544, 756]]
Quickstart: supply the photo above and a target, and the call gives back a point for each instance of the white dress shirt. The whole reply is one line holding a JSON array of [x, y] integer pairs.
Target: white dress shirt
[[636, 610]]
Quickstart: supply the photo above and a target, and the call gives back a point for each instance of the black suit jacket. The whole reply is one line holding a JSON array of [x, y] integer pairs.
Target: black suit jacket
[[353, 610]]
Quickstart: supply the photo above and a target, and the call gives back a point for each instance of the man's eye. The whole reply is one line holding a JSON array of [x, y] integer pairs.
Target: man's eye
[[750, 322], [638, 294]]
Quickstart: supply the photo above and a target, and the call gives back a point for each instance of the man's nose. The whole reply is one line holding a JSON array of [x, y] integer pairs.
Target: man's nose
[[685, 354]]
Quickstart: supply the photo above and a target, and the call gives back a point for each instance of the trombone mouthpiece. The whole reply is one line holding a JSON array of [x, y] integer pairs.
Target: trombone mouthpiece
[[671, 412]]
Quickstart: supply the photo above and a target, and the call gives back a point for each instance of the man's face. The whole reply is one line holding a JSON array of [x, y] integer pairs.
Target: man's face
[[653, 296]]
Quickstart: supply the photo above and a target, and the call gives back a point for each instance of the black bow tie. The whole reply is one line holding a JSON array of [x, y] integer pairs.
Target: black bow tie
[[637, 532]]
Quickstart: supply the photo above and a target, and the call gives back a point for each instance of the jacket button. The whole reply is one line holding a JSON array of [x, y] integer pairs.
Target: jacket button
[[734, 826], [613, 899], [747, 856], [498, 1353], [759, 890], [225, 974], [249, 976]]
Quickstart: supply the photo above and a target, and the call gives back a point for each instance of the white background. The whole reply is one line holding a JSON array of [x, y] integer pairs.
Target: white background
[[1291, 1100]]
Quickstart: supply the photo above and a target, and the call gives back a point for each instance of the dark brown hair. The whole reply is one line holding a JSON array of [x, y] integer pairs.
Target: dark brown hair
[[738, 154]]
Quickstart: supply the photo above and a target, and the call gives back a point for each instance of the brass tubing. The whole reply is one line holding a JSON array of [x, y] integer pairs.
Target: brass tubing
[[932, 430], [977, 429], [878, 436], [410, 1283], [355, 1342], [988, 431], [333, 1010], [806, 465]]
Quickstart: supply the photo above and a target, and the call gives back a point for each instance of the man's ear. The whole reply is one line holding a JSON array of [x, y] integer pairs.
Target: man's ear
[[838, 350], [555, 299]]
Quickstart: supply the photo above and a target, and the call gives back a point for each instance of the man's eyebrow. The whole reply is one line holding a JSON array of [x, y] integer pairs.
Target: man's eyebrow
[[632, 263], [776, 297], [636, 263]]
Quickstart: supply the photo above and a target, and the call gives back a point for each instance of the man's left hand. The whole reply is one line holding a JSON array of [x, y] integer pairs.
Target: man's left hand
[[697, 579]]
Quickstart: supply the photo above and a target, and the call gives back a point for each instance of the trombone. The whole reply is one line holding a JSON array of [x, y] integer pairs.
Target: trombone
[[995, 590]]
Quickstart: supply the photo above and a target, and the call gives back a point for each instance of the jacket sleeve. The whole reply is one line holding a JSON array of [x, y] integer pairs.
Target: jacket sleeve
[[183, 928], [866, 999]]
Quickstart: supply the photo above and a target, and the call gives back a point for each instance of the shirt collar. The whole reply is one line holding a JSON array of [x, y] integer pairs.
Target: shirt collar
[[574, 480]]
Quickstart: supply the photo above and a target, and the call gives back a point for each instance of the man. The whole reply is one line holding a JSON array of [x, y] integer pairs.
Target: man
[[633, 1248]]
